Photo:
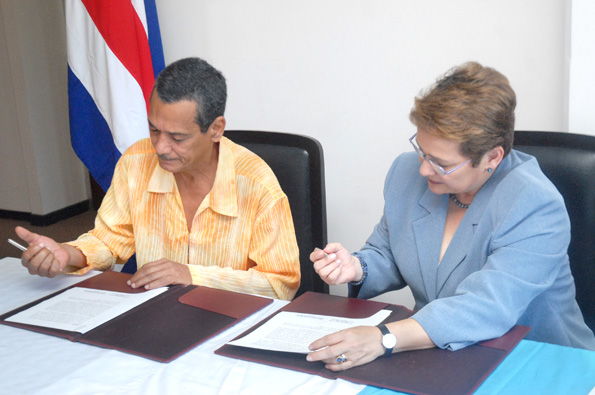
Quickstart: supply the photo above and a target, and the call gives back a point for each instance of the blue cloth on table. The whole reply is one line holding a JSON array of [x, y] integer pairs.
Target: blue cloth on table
[[534, 368]]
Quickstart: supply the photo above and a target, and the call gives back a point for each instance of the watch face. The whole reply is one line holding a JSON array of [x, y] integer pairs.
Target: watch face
[[389, 341]]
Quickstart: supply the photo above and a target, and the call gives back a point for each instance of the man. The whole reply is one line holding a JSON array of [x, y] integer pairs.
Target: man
[[195, 207]]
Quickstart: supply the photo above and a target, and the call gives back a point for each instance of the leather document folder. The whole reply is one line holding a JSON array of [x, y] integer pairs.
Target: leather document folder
[[431, 371], [163, 327]]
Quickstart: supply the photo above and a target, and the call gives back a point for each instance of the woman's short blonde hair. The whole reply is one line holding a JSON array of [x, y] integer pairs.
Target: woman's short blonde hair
[[471, 104]]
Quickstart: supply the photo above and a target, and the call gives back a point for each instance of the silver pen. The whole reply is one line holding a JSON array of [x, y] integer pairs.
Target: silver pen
[[17, 245], [316, 249]]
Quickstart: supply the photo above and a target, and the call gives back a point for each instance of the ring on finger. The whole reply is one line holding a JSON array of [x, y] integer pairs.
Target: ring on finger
[[341, 358]]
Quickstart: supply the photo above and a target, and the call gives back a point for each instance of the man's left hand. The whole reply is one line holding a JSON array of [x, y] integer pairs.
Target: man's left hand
[[159, 274]]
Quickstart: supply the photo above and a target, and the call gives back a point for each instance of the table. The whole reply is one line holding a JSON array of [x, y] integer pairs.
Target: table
[[35, 363], [535, 368]]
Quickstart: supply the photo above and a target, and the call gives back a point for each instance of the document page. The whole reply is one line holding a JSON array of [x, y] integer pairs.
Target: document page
[[294, 332], [82, 309]]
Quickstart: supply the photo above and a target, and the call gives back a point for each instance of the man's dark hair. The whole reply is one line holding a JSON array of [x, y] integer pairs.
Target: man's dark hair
[[195, 80]]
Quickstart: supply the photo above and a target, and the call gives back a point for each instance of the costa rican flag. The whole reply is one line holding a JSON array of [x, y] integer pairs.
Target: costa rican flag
[[114, 55]]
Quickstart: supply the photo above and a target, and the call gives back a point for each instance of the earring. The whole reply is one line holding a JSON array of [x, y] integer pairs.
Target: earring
[[490, 170]]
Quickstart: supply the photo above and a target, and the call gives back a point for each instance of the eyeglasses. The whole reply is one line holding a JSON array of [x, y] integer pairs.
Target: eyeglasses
[[439, 169]]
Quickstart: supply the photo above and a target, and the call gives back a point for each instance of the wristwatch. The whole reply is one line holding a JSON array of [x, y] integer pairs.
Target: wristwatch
[[389, 341]]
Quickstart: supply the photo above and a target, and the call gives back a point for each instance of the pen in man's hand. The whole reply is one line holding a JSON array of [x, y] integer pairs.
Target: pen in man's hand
[[17, 245]]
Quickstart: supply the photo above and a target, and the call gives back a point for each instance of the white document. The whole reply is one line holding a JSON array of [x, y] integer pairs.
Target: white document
[[294, 332], [82, 309]]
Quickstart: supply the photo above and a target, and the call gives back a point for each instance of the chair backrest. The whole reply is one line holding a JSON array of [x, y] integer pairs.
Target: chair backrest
[[298, 163], [568, 160]]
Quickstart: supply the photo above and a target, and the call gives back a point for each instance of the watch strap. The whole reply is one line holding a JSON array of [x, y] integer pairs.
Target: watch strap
[[384, 330]]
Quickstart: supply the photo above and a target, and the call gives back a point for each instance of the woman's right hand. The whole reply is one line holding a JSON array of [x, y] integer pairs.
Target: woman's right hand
[[335, 265]]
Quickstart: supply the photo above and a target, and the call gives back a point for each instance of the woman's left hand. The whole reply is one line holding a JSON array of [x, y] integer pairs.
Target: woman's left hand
[[360, 345]]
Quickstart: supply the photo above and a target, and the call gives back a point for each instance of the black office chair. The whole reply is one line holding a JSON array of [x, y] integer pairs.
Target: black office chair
[[298, 163], [568, 160]]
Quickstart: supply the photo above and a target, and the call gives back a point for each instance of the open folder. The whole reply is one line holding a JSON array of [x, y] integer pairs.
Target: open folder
[[163, 327], [431, 371]]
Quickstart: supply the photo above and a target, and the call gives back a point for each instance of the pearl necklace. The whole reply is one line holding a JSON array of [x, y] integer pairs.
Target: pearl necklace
[[457, 202]]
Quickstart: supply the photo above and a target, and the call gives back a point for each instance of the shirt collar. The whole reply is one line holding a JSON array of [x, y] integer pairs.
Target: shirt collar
[[161, 181], [223, 196]]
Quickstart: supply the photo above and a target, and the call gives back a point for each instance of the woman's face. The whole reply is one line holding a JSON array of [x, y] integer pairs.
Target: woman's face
[[446, 153]]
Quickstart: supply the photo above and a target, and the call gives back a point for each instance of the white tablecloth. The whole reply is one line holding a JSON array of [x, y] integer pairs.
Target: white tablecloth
[[34, 363]]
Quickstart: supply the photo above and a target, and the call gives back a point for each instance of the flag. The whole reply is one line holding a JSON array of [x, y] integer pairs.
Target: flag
[[114, 55]]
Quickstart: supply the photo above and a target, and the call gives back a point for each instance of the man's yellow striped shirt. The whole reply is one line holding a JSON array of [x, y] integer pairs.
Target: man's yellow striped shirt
[[242, 237]]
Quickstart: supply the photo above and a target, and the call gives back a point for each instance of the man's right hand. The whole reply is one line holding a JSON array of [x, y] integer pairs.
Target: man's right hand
[[44, 257]]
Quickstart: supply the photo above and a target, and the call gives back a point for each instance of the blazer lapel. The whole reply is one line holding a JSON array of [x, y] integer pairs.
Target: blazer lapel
[[460, 243], [456, 252], [426, 229]]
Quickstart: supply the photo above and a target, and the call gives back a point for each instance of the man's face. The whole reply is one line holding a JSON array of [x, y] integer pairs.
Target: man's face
[[178, 141]]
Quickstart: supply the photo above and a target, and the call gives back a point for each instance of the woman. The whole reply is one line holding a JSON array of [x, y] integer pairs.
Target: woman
[[473, 227]]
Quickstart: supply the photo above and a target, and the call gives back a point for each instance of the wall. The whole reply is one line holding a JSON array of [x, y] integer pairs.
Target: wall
[[346, 72], [580, 57], [12, 161], [40, 172], [343, 71]]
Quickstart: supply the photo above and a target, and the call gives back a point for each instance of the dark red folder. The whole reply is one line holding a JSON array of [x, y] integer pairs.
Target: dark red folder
[[163, 327], [432, 371]]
